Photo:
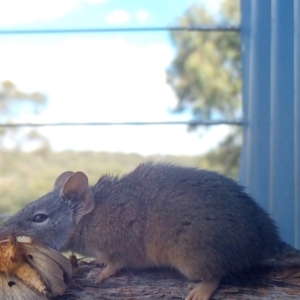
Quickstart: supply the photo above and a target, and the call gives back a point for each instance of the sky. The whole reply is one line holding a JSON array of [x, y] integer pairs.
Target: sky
[[110, 77]]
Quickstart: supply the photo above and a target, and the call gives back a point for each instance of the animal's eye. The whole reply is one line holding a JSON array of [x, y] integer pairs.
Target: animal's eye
[[39, 218]]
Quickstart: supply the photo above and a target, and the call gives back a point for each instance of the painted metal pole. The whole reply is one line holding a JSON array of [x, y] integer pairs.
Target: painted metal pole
[[245, 49], [258, 163], [297, 118], [282, 118]]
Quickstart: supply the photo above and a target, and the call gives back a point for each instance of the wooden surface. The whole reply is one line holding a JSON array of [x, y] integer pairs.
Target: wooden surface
[[272, 281]]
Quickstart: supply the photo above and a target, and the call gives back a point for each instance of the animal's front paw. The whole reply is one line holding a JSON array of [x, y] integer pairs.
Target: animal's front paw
[[101, 274], [95, 274], [203, 290]]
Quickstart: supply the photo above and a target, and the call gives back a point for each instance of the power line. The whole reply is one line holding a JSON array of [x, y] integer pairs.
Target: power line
[[120, 29], [190, 123]]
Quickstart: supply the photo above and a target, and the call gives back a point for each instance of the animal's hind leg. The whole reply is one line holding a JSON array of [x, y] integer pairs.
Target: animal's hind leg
[[206, 288]]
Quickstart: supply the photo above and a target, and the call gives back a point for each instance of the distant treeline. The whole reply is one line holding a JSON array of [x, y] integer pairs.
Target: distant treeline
[[26, 176]]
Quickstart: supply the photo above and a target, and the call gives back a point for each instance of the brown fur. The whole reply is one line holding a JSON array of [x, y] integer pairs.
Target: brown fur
[[196, 221]]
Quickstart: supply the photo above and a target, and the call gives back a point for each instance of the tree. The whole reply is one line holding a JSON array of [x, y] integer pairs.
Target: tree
[[13, 103], [206, 72]]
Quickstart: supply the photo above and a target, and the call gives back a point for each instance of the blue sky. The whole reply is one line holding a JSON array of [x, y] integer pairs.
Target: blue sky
[[100, 77]]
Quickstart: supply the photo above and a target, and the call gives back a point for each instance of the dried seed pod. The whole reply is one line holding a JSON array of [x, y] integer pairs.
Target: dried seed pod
[[31, 271], [32, 279]]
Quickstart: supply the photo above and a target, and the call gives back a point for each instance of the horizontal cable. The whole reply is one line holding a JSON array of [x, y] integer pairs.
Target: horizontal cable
[[190, 123], [120, 29]]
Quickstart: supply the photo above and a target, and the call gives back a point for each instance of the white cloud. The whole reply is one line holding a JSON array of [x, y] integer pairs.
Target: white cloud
[[118, 17], [14, 12], [95, 1], [142, 16], [90, 80]]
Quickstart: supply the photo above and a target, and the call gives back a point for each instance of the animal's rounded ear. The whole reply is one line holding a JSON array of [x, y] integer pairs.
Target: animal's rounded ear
[[61, 179], [77, 192]]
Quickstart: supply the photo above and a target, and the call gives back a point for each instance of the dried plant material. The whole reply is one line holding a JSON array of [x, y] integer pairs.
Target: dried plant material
[[31, 271], [74, 260]]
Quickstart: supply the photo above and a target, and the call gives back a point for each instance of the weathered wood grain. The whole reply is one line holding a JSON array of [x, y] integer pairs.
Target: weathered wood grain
[[274, 280]]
